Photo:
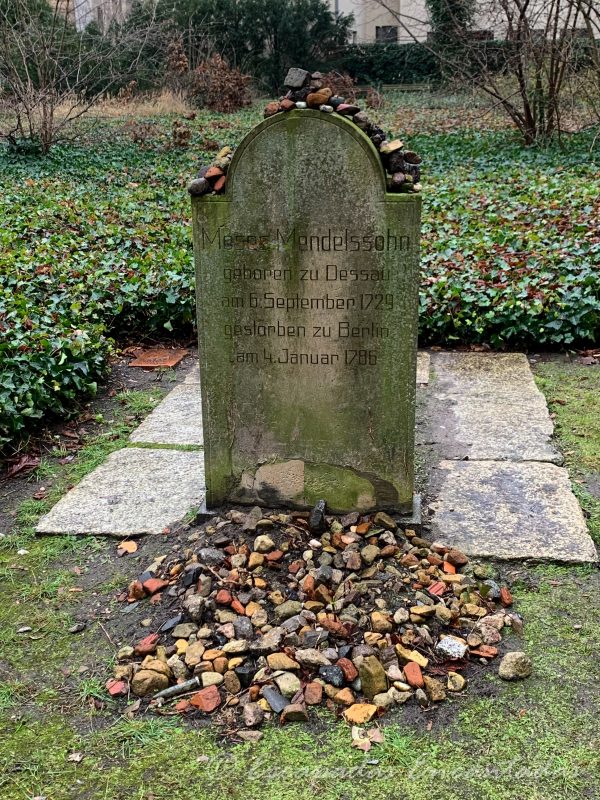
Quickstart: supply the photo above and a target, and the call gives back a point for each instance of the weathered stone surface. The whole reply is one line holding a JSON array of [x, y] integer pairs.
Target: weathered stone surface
[[510, 510], [135, 491], [372, 677], [360, 713], [176, 420], [486, 406], [515, 666], [503, 427], [279, 249]]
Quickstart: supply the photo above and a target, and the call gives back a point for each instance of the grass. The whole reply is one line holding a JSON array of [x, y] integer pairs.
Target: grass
[[573, 394], [534, 740]]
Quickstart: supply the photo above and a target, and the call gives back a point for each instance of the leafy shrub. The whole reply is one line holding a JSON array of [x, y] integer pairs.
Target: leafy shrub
[[95, 243], [219, 87], [46, 362], [388, 63]]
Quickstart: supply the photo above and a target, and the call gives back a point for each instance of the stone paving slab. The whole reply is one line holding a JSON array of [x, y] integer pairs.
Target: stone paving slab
[[487, 374], [136, 491], [503, 427], [176, 420], [509, 510], [193, 375], [423, 365]]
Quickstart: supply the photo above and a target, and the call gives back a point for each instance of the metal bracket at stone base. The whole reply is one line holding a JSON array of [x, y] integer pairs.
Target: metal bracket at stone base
[[413, 520]]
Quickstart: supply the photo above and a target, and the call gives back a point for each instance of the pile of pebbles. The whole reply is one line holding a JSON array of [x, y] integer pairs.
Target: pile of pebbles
[[272, 613], [306, 90]]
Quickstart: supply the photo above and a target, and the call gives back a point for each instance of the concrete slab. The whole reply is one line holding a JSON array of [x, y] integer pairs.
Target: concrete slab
[[176, 420], [423, 365], [136, 491], [193, 375], [486, 374], [504, 427], [509, 510]]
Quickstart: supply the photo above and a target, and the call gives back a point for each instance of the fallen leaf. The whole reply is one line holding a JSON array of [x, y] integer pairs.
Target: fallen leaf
[[23, 464], [76, 757], [127, 546]]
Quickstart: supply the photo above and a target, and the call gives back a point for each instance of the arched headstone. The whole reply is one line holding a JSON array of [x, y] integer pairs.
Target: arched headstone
[[307, 292]]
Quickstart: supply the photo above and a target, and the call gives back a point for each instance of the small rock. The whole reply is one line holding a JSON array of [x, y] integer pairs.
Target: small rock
[[413, 675], [271, 109], [184, 630], [401, 616], [360, 713], [311, 658], [456, 682], [294, 713], [316, 520], [456, 557], [147, 645], [385, 699], [195, 606], [332, 674], [380, 622], [211, 679], [434, 689], [147, 681], [348, 668], [263, 544], [296, 78], [450, 647], [313, 693], [278, 661], [253, 715], [383, 520], [372, 676], [236, 646], [287, 683], [288, 609], [316, 99], [231, 682], [515, 666], [275, 699], [198, 187], [252, 519], [206, 700], [370, 553]]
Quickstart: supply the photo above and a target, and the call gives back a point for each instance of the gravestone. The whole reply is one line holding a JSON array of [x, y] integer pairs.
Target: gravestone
[[307, 292]]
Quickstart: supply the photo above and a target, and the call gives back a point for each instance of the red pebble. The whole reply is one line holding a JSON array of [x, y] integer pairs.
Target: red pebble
[[438, 588], [485, 651], [506, 597], [275, 555], [224, 597], [116, 688], [154, 585], [313, 693], [147, 645], [207, 700], [348, 668], [237, 606], [295, 566], [413, 675], [213, 172], [308, 585]]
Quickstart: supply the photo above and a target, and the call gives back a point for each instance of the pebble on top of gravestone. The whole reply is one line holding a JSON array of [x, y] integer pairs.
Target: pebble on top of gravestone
[[307, 276]]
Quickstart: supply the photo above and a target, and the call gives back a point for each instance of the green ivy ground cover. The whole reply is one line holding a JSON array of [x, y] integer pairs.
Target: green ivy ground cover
[[95, 243]]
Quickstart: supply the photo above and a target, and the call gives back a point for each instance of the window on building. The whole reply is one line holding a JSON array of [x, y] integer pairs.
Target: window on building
[[386, 33]]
